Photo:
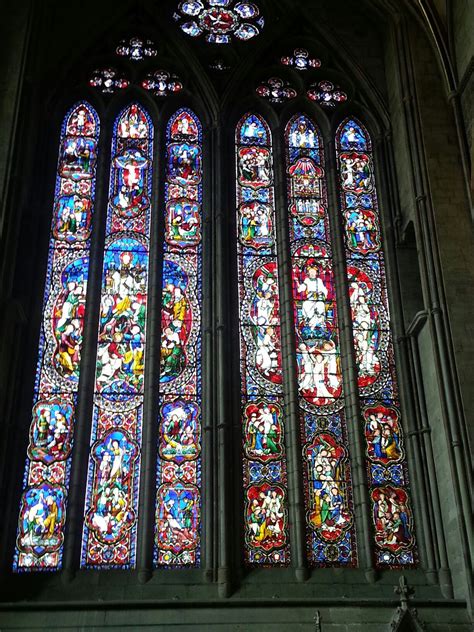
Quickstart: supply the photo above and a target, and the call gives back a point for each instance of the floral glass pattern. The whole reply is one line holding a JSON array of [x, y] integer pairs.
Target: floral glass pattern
[[108, 80], [301, 60], [276, 90], [373, 346], [264, 456], [178, 475], [161, 83], [111, 506], [136, 49], [40, 538], [327, 479], [326, 94], [219, 20]]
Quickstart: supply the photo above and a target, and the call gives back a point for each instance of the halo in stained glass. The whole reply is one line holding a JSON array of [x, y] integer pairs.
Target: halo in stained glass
[[111, 506], [264, 458], [353, 136], [386, 466], [327, 480], [40, 535], [252, 130], [178, 472]]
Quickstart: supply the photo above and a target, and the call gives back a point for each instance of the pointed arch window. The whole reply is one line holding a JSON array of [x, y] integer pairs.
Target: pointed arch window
[[311, 356], [325, 446], [178, 475], [373, 348], [327, 479], [264, 459], [111, 507], [42, 518]]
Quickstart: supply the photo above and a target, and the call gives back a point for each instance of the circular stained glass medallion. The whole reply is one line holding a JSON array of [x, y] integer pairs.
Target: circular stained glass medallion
[[246, 10], [219, 20], [246, 32], [191, 28], [193, 7]]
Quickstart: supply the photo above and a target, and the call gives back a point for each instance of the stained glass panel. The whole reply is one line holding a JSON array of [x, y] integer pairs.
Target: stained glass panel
[[40, 538], [264, 458], [108, 80], [161, 83], [276, 90], [136, 49], [178, 475], [111, 508], [327, 478], [326, 94], [220, 21], [377, 381], [301, 60]]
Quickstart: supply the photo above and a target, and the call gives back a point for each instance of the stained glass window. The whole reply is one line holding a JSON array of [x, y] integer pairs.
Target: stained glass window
[[326, 94], [108, 80], [136, 49], [264, 457], [40, 538], [276, 90], [161, 83], [219, 20], [327, 480], [109, 538], [111, 507], [373, 346], [301, 60], [178, 497]]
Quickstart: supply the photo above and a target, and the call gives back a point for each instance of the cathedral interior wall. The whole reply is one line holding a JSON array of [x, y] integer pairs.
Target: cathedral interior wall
[[434, 249]]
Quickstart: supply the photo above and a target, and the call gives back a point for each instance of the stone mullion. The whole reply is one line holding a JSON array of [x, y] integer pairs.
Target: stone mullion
[[452, 413], [296, 500], [208, 276], [222, 334], [384, 168], [85, 395], [147, 491], [356, 440]]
